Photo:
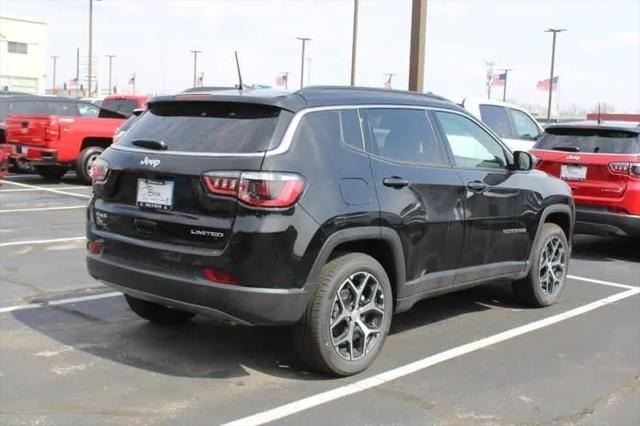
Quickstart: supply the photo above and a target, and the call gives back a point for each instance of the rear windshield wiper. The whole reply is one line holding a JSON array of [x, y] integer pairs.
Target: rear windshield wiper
[[151, 144], [566, 148]]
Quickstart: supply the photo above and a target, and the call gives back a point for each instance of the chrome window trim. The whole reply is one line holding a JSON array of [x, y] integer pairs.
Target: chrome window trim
[[287, 138]]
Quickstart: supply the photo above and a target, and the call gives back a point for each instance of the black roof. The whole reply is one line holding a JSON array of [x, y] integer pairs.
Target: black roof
[[316, 96], [623, 126]]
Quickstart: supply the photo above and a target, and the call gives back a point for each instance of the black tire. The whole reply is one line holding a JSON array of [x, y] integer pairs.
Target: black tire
[[83, 163], [313, 333], [51, 173], [156, 313], [533, 290]]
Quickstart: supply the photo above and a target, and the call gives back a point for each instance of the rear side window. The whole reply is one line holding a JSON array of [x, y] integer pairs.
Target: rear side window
[[602, 141], [206, 127], [524, 126], [121, 106], [323, 127], [497, 119], [403, 135]]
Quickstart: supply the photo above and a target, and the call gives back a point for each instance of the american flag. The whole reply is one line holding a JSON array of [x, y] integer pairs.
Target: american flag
[[544, 84], [200, 81], [498, 79], [73, 83], [387, 83], [132, 80], [281, 80]]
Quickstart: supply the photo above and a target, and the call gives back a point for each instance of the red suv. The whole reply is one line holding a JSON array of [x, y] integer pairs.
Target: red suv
[[601, 164]]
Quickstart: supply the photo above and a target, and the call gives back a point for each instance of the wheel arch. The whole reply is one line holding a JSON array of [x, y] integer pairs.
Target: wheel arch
[[383, 244], [100, 142], [559, 214]]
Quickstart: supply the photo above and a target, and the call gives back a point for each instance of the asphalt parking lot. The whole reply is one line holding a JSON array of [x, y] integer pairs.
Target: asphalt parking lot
[[71, 352]]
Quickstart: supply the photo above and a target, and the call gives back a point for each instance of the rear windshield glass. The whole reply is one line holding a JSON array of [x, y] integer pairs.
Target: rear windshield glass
[[39, 107], [602, 141], [206, 127], [121, 106]]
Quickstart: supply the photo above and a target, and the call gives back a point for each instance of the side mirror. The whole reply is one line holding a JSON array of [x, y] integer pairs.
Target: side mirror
[[523, 161]]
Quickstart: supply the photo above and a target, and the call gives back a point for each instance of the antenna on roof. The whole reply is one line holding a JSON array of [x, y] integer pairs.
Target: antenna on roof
[[240, 86], [598, 112]]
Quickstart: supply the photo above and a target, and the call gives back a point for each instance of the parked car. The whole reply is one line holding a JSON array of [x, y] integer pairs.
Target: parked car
[[124, 104], [127, 124], [515, 126], [330, 208], [601, 164], [55, 134], [4, 164]]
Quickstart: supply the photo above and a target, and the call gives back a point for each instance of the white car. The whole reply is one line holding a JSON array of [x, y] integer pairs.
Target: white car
[[515, 126]]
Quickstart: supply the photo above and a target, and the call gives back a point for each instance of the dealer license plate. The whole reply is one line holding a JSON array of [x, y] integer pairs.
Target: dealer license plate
[[571, 172], [155, 194]]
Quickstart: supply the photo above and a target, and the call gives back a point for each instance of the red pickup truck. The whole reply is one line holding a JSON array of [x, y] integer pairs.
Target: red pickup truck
[[71, 136]]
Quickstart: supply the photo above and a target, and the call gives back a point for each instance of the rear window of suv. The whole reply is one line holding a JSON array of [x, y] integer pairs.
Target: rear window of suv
[[601, 141], [206, 127], [121, 106]]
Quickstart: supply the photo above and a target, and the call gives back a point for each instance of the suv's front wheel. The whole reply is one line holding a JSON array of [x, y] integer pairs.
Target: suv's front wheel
[[545, 281], [157, 313], [348, 316]]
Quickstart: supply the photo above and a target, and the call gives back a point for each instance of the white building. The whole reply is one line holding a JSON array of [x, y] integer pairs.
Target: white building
[[22, 55]]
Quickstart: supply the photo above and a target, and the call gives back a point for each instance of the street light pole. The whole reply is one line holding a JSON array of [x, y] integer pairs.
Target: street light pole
[[110, 68], [417, 45], [504, 88], [195, 65], [304, 41], [90, 42], [354, 42], [553, 58], [55, 60]]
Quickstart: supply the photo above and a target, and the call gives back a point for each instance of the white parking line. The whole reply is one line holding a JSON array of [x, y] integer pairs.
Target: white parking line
[[396, 373], [60, 302], [42, 209], [42, 188], [53, 240], [609, 283], [38, 189]]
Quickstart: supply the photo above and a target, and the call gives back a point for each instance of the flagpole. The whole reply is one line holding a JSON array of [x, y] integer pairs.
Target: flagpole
[[553, 58], [504, 88]]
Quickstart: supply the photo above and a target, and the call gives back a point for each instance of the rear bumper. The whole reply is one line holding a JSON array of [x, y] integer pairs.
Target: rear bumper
[[605, 223], [32, 154], [235, 304]]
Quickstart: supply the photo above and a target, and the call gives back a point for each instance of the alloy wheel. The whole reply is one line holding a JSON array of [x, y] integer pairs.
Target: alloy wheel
[[357, 315], [552, 265]]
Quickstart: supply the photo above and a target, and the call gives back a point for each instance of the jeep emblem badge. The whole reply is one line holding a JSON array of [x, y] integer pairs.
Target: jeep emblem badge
[[151, 162]]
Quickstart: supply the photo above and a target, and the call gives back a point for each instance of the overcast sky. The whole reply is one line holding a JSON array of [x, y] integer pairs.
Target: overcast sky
[[598, 58]]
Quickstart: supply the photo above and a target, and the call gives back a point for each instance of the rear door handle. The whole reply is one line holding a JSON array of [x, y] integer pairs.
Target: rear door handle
[[477, 186], [395, 182]]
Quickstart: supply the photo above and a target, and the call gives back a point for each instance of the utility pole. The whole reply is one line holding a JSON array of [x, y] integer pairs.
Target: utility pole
[[304, 41], [110, 69], [504, 88], [418, 43], [55, 60], [195, 65], [354, 42], [309, 70], [489, 65], [553, 58]]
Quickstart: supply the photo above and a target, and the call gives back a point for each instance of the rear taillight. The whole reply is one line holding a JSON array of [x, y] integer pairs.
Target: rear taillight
[[95, 246], [99, 170], [631, 169], [219, 276], [52, 130], [258, 189]]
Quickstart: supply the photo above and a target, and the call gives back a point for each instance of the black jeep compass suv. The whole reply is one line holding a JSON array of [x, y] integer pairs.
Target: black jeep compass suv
[[329, 208]]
